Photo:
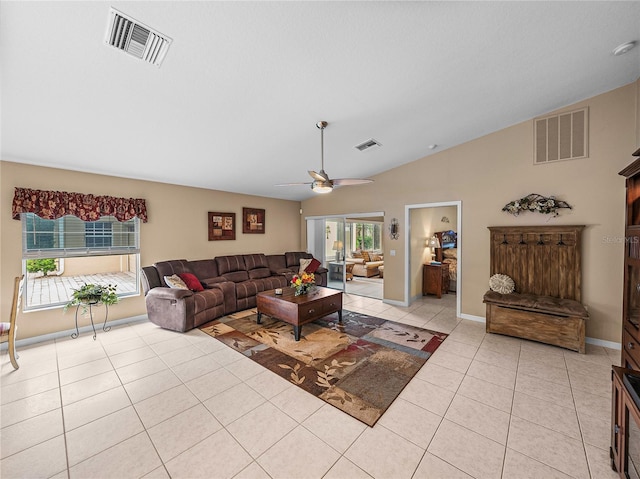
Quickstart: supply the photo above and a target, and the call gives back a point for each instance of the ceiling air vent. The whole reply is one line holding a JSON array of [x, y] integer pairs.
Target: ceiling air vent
[[135, 38], [561, 137], [366, 145]]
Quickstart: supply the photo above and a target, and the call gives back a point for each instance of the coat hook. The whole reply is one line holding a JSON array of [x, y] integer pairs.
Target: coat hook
[[522, 241], [540, 242], [561, 243], [504, 239]]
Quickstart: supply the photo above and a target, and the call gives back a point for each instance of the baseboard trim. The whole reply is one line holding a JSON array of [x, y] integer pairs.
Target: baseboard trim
[[67, 333], [603, 343], [393, 302], [471, 317]]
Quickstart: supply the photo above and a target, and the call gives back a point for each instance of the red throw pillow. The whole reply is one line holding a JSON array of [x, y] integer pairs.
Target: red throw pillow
[[313, 266], [191, 281]]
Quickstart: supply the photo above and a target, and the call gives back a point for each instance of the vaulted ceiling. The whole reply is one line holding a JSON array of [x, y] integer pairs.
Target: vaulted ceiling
[[234, 105]]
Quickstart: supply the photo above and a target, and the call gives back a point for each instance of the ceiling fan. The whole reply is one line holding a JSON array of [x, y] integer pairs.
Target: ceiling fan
[[321, 182]]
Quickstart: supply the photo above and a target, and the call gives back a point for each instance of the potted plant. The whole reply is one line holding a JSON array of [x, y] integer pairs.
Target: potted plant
[[90, 294]]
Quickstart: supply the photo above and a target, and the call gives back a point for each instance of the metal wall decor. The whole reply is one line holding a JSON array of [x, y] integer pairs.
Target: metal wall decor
[[536, 203], [394, 229]]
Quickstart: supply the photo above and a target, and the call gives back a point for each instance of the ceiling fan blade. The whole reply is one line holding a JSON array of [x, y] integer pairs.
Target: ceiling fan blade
[[322, 176], [294, 184], [351, 181]]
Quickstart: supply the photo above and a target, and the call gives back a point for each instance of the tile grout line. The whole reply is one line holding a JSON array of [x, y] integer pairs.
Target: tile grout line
[[513, 399], [64, 426], [442, 418], [518, 375]]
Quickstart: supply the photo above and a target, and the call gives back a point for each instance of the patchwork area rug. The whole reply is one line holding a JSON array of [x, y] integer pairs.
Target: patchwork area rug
[[359, 366]]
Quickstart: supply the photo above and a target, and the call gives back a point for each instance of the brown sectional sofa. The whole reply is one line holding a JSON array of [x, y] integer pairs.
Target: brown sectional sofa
[[231, 284]]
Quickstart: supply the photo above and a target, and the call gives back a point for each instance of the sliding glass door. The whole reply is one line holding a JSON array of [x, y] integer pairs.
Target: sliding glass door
[[338, 242], [326, 241]]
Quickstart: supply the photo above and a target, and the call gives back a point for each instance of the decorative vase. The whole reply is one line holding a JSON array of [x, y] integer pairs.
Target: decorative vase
[[302, 283], [303, 289]]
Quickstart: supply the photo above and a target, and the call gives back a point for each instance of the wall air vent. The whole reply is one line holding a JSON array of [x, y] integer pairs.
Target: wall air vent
[[135, 38], [561, 137], [366, 145]]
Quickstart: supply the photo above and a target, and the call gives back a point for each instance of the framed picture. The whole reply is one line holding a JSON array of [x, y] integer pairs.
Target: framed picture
[[252, 221], [222, 226]]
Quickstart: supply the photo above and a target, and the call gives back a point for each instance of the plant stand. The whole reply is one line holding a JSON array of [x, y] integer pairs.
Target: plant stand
[[105, 328]]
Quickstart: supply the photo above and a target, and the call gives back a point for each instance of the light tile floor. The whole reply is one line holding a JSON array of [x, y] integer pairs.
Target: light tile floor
[[369, 287], [144, 402]]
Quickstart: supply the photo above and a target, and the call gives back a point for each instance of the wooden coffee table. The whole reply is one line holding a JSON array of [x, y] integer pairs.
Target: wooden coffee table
[[299, 310]]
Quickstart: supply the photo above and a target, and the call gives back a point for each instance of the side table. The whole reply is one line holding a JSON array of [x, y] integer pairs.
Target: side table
[[435, 279], [105, 328], [336, 269]]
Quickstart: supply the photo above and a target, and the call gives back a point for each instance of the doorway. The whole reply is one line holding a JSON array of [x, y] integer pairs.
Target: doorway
[[338, 240], [423, 221]]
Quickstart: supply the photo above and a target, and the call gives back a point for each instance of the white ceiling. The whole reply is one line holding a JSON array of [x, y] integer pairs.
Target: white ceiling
[[235, 103]]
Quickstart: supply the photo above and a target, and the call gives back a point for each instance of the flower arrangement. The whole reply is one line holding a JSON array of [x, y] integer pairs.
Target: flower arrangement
[[535, 202], [303, 283], [93, 294]]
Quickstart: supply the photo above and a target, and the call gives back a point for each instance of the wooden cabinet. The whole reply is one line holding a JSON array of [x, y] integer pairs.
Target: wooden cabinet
[[625, 423], [631, 294], [435, 279], [616, 418]]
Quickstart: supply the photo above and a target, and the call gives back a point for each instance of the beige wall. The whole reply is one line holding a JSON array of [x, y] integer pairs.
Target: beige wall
[[424, 222], [490, 171], [177, 228], [484, 174]]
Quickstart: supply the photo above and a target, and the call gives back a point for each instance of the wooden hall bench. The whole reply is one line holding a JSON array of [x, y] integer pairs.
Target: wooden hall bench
[[544, 262], [560, 322]]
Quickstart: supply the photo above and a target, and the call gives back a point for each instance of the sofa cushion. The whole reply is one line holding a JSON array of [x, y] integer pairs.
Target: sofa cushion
[[150, 279], [304, 264], [174, 281], [277, 263], [254, 261], [547, 304], [248, 289], [192, 282], [365, 256], [292, 258], [207, 299], [236, 276], [204, 268], [258, 273], [257, 265], [229, 264], [176, 266], [313, 266], [273, 282]]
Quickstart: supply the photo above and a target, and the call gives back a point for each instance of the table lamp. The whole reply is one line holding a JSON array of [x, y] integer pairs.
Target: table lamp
[[433, 243], [337, 246]]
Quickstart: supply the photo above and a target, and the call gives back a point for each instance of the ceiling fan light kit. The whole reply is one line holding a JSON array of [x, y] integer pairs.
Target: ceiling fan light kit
[[321, 182], [321, 187]]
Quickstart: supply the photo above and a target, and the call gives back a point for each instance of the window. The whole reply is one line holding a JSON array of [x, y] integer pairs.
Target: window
[[98, 234], [61, 255], [366, 236]]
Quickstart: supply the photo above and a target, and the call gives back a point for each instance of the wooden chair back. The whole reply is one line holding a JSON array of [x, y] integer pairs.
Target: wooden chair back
[[9, 329]]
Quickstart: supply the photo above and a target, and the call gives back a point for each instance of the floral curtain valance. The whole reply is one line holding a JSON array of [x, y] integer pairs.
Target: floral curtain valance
[[56, 204]]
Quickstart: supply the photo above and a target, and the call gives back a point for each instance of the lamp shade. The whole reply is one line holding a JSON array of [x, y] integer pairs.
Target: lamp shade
[[337, 245], [433, 242]]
